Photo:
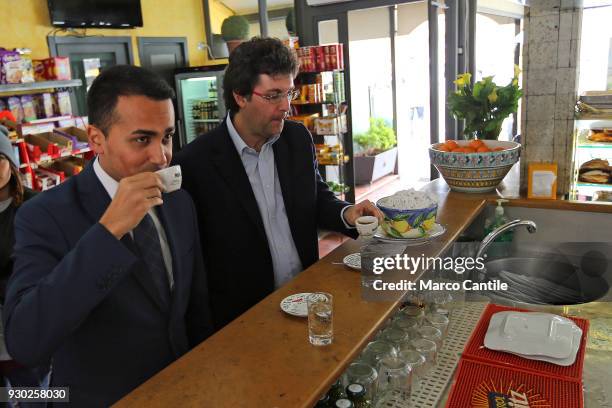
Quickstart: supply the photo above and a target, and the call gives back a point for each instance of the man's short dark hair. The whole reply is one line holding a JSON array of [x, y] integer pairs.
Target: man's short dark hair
[[252, 58], [122, 80]]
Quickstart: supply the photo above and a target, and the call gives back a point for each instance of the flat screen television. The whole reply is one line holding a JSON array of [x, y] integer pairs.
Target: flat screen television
[[95, 13]]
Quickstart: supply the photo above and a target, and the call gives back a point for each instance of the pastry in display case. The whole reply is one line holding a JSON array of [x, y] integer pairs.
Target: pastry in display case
[[592, 156]]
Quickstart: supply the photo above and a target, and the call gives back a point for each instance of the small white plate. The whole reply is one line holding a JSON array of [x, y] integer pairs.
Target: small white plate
[[435, 231], [295, 305], [533, 334], [353, 261]]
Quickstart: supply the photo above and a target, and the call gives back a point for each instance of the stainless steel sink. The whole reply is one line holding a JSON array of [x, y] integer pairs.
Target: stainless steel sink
[[547, 281]]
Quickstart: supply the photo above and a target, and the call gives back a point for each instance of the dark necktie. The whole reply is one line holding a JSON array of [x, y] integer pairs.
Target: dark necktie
[[147, 242]]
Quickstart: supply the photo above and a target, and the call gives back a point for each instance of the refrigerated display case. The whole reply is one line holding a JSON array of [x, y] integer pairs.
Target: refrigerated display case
[[588, 150], [200, 100]]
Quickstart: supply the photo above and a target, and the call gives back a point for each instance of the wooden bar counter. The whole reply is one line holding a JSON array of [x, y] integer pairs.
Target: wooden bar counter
[[264, 358]]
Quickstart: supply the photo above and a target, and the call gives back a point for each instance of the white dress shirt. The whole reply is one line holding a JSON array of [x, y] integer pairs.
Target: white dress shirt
[[111, 185]]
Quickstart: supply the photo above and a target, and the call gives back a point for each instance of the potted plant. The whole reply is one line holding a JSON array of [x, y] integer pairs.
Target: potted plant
[[485, 105], [234, 30], [479, 163], [378, 154]]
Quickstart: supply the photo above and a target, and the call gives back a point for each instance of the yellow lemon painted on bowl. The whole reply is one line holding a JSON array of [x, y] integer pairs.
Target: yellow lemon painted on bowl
[[401, 226], [429, 223]]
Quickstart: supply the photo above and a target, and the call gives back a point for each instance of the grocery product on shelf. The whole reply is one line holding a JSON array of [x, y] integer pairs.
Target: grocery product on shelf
[[52, 69], [10, 67], [321, 58]]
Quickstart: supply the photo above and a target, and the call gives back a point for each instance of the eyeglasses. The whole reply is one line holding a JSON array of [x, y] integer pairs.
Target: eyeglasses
[[278, 97]]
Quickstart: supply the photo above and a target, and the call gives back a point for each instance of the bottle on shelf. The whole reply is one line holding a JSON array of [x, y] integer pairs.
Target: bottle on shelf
[[357, 394], [344, 403], [336, 392], [212, 91]]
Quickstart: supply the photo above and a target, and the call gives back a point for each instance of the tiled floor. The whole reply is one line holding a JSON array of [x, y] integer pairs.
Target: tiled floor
[[380, 188]]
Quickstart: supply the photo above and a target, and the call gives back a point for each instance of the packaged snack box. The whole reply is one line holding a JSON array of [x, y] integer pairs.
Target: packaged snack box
[[10, 67]]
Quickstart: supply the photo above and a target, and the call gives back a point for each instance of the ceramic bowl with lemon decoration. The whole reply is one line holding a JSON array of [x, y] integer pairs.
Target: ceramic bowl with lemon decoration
[[407, 222]]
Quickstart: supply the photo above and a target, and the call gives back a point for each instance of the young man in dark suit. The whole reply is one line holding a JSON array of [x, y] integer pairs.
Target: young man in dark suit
[[256, 184], [108, 282]]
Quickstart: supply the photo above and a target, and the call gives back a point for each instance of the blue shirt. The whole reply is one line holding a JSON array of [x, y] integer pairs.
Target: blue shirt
[[260, 167]]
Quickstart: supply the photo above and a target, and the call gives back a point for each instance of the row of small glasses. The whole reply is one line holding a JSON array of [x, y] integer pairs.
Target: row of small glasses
[[401, 356]]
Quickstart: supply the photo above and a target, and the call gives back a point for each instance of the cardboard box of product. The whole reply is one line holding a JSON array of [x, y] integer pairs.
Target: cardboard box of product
[[78, 136], [52, 69]]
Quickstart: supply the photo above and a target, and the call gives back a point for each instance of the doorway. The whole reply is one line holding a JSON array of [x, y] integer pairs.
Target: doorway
[[391, 81], [163, 55]]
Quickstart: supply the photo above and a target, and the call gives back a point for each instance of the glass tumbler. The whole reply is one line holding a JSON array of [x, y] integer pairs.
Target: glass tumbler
[[376, 350], [431, 333], [416, 361], [427, 349], [394, 376], [439, 321], [364, 374], [320, 318]]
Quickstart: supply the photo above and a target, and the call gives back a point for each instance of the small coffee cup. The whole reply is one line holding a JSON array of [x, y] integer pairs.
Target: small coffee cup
[[366, 225]]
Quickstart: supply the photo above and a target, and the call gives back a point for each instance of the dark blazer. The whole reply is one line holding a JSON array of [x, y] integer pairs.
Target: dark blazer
[[83, 299], [234, 242]]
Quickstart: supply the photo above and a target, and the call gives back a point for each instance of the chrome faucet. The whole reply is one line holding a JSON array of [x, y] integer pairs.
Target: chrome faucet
[[488, 240]]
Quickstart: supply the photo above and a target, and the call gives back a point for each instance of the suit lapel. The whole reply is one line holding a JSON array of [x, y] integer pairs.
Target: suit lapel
[[95, 200], [230, 167]]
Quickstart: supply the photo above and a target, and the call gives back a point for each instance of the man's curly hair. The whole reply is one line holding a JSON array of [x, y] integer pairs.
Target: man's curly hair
[[252, 58]]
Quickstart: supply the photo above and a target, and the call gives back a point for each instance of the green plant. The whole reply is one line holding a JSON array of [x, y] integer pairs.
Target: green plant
[[378, 138], [290, 22], [337, 187], [485, 105], [235, 28]]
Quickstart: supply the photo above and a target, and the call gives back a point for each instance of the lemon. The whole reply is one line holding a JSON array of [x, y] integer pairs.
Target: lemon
[[401, 226], [427, 224]]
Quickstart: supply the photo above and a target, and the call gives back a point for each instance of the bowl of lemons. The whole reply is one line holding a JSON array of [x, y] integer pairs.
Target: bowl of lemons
[[408, 214]]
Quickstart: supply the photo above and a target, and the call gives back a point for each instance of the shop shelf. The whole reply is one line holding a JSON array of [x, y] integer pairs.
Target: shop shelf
[[602, 185], [39, 85], [35, 165]]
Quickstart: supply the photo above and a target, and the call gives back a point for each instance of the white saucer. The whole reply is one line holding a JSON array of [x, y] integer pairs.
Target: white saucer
[[295, 305], [558, 361], [538, 336], [353, 261], [435, 231]]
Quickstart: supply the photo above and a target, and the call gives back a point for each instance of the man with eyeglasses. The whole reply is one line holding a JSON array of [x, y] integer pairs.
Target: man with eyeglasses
[[256, 185]]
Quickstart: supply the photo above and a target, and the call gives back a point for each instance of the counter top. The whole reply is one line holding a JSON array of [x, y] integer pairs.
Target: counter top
[[264, 359]]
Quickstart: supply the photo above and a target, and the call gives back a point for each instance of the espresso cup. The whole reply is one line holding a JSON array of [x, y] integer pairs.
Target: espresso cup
[[366, 225]]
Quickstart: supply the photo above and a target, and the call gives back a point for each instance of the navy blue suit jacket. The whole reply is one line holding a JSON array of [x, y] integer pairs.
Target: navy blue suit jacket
[[82, 299]]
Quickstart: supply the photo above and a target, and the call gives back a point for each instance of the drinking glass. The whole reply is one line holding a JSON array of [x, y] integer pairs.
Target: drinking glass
[[414, 312], [408, 325], [320, 318], [438, 321], [364, 374], [416, 362], [431, 333], [427, 349], [439, 302], [377, 350], [394, 335], [394, 375]]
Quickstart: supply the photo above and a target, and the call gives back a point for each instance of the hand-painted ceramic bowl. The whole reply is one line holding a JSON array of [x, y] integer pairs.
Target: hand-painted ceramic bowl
[[407, 223], [475, 172]]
